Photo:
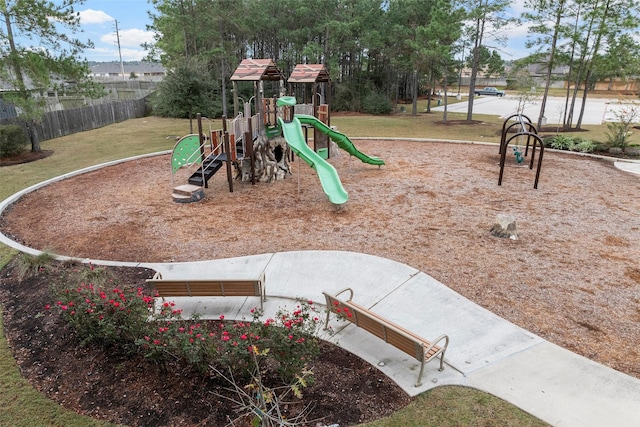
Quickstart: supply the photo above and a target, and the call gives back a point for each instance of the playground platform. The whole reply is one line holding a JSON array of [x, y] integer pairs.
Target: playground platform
[[485, 351]]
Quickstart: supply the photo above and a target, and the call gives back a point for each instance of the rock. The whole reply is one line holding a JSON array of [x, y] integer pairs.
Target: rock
[[632, 151], [505, 226]]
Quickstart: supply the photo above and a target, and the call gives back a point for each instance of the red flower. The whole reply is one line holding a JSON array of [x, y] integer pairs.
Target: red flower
[[222, 317]]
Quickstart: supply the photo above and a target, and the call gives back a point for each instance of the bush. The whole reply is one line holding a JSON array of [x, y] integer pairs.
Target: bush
[[584, 145], [105, 314], [12, 140], [619, 132], [346, 98], [376, 103], [561, 142], [287, 341], [109, 315]]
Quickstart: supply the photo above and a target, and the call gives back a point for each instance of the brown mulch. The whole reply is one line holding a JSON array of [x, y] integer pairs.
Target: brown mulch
[[24, 157], [572, 277]]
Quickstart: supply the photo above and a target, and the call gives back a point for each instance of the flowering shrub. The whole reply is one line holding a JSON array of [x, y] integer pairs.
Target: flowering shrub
[[103, 314], [292, 338], [341, 311], [109, 315], [288, 339]]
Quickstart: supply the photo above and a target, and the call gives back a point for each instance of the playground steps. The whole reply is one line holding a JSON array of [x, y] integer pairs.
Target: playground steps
[[187, 193], [207, 170]]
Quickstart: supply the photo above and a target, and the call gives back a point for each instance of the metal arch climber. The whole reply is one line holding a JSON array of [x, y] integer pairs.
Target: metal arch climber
[[524, 122], [528, 130]]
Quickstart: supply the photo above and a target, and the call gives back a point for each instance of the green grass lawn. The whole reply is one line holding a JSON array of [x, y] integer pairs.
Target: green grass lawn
[[21, 405]]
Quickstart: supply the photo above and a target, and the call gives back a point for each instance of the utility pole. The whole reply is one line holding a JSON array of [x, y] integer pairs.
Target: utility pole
[[120, 51]]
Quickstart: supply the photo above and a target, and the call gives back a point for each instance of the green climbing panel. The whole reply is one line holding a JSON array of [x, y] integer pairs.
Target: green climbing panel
[[186, 152]]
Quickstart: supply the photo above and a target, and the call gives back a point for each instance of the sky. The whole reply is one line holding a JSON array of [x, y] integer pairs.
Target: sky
[[98, 21]]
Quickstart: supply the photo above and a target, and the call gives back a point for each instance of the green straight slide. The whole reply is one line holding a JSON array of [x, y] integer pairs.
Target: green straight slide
[[341, 139], [327, 174]]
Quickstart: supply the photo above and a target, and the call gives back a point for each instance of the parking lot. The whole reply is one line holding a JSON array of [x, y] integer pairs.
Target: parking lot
[[597, 111]]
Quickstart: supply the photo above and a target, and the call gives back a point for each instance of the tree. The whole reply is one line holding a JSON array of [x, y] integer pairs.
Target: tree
[[185, 91], [602, 19], [487, 17], [436, 45], [209, 32], [40, 53], [541, 14], [621, 59]]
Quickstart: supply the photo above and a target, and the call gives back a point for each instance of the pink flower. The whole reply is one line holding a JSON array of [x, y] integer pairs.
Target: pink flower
[[47, 307], [222, 317]]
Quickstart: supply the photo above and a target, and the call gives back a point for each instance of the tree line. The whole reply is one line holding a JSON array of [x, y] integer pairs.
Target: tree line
[[393, 49], [376, 51]]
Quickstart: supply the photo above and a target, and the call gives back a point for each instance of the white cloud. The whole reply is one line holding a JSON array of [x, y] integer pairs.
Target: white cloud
[[518, 7], [132, 38], [90, 16]]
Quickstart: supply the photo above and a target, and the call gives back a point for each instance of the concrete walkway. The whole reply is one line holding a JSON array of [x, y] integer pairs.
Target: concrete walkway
[[631, 166], [485, 351]]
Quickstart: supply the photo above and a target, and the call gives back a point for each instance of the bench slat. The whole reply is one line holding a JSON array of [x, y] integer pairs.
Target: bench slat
[[209, 287], [172, 289]]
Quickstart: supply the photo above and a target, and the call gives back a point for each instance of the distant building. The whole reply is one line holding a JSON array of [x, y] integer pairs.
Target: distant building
[[112, 71]]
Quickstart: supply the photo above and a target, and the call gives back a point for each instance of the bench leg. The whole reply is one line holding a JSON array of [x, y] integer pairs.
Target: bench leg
[[326, 322], [419, 383]]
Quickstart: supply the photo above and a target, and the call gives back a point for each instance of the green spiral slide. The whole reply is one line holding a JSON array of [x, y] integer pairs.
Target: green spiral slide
[[327, 174]]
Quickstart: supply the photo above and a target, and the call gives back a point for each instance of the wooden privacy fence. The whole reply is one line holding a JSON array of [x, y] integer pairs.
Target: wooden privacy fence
[[65, 122]]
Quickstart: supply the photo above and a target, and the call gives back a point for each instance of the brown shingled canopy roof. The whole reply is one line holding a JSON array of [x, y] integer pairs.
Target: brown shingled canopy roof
[[309, 73], [252, 70]]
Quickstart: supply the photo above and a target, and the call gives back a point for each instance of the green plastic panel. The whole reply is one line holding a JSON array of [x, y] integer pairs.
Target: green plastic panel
[[186, 152]]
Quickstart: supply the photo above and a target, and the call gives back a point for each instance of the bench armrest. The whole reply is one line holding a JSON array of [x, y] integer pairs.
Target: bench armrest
[[345, 290]]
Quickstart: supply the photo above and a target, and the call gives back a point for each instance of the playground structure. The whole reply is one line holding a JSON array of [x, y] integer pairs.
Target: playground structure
[[260, 145], [525, 128]]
